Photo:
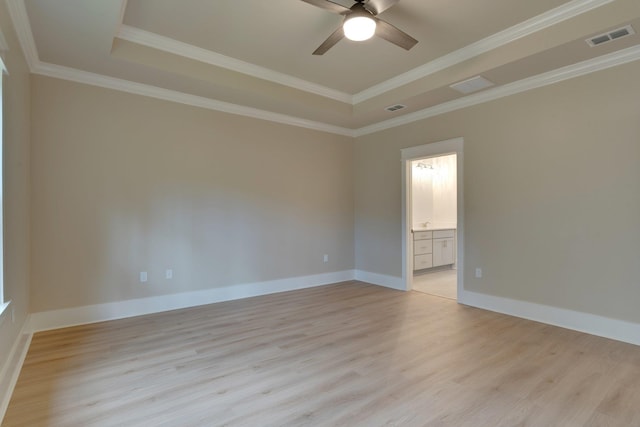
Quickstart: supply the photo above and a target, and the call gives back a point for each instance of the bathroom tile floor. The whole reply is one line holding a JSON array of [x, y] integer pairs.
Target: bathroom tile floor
[[441, 283]]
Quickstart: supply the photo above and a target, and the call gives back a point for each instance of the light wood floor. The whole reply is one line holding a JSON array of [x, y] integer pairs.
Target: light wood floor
[[442, 283], [342, 355]]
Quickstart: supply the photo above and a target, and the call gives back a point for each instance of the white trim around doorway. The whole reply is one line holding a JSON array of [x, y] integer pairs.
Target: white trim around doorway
[[407, 155]]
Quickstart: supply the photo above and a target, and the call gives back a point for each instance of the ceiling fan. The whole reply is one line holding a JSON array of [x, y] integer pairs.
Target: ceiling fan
[[361, 23]]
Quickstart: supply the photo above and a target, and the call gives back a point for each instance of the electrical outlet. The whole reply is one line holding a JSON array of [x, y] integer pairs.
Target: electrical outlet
[[143, 276], [168, 274], [325, 258], [478, 273]]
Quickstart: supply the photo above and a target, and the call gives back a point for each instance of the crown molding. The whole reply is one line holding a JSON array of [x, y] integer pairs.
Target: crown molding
[[79, 76], [576, 70], [554, 16], [185, 50], [20, 19], [535, 24]]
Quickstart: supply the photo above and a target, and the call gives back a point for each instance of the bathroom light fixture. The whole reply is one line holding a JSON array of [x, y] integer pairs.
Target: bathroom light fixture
[[421, 165], [359, 25]]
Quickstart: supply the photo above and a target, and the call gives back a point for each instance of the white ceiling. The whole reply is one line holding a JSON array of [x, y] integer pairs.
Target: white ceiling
[[253, 57]]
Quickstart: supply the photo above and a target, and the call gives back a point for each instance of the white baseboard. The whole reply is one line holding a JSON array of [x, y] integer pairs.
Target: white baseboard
[[11, 369], [56, 319], [606, 327], [380, 280]]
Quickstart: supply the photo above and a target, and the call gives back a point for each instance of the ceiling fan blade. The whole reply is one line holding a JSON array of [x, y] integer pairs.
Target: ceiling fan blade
[[330, 42], [379, 6], [329, 5], [392, 34]]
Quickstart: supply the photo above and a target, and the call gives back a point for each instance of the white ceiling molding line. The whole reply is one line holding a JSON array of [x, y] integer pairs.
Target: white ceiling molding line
[[554, 16], [20, 19], [176, 47], [535, 24], [565, 73], [79, 76], [603, 62]]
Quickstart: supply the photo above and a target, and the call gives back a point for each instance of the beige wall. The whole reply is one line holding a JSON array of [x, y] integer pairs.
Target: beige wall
[[552, 203], [16, 125], [124, 183]]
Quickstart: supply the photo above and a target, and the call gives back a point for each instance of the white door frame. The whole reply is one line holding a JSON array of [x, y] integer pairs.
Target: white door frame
[[436, 149]]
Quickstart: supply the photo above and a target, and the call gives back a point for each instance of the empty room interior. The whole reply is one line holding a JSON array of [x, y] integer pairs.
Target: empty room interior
[[314, 212]]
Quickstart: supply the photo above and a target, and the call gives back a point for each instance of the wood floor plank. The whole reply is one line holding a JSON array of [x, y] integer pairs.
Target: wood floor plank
[[348, 354]]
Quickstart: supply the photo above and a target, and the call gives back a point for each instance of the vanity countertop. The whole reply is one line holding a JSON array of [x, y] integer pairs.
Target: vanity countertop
[[413, 230]]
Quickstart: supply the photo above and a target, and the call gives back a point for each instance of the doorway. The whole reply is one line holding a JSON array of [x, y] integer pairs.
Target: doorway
[[432, 223]]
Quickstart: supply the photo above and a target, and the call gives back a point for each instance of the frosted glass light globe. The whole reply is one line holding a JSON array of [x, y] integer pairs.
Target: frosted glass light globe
[[359, 28]]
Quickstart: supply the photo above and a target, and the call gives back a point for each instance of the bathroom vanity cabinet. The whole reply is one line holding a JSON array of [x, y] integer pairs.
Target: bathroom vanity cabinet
[[433, 248]]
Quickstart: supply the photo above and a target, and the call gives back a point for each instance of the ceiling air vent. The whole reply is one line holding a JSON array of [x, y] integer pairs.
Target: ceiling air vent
[[471, 85], [396, 107], [610, 36]]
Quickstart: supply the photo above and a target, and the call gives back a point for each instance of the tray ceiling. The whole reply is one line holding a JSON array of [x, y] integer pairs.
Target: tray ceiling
[[253, 57]]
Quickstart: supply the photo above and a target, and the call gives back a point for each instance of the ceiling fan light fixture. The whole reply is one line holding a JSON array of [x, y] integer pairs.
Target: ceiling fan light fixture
[[359, 26], [361, 22]]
